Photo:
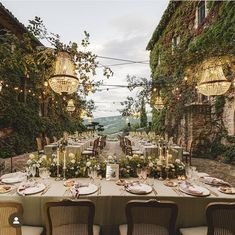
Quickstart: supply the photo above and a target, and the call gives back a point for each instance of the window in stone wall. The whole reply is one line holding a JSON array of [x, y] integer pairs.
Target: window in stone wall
[[175, 43], [201, 12]]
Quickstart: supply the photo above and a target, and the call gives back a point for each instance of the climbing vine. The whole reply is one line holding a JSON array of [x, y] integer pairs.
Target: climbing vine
[[178, 64]]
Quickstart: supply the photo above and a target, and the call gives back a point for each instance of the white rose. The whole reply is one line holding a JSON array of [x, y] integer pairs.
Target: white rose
[[71, 155], [88, 164], [177, 160], [44, 157], [142, 157], [31, 156], [73, 161], [135, 155], [110, 158], [149, 158], [150, 164]]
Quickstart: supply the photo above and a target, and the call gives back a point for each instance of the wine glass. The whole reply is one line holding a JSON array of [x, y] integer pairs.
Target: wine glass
[[139, 172], [32, 170], [144, 174]]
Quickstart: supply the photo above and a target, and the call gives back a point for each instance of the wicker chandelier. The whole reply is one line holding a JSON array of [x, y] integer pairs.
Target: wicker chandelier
[[64, 80], [70, 106], [212, 80]]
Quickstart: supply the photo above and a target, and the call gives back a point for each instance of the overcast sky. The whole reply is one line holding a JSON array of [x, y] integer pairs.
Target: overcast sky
[[119, 29]]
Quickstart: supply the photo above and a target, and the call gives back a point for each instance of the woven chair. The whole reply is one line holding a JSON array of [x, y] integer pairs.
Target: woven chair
[[220, 220], [47, 140], [93, 151], [6, 210], [71, 218], [150, 217], [55, 139], [39, 145], [187, 153]]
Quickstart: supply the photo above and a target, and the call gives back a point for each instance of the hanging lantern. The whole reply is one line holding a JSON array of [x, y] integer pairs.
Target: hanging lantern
[[64, 80], [1, 84], [212, 81], [158, 103], [71, 107]]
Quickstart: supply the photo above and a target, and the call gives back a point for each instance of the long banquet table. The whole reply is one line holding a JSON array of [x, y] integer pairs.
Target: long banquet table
[[76, 147], [110, 204], [152, 150]]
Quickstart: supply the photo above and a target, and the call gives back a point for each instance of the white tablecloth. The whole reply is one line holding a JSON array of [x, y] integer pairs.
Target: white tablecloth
[[152, 150], [77, 147], [110, 204]]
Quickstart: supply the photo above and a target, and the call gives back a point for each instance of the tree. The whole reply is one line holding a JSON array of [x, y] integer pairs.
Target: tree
[[143, 115]]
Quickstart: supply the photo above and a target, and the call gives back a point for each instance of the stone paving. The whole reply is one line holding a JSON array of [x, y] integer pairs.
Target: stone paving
[[213, 168]]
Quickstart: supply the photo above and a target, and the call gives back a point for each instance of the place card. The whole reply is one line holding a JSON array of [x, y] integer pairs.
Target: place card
[[112, 171]]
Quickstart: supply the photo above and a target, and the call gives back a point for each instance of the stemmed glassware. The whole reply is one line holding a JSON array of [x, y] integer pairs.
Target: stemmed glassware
[[139, 172], [92, 173], [32, 170]]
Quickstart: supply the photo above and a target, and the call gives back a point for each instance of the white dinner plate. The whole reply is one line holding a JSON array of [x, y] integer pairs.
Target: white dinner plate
[[170, 183], [227, 190], [34, 188], [5, 188], [205, 192], [12, 178], [85, 190], [139, 188]]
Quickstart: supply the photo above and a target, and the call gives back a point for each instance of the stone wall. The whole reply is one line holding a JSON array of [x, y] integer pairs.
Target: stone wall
[[228, 116]]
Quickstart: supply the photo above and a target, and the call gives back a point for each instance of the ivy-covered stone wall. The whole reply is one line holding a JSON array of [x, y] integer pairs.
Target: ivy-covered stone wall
[[176, 45]]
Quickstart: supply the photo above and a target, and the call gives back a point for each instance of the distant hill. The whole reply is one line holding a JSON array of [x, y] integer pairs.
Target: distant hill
[[113, 124]]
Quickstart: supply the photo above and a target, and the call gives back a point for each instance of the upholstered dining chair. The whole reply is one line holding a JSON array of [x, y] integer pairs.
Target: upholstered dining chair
[[150, 217], [7, 208], [220, 220], [71, 218]]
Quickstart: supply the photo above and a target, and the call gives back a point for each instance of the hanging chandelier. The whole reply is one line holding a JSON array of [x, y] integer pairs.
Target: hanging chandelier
[[158, 103], [70, 106], [64, 80], [212, 80]]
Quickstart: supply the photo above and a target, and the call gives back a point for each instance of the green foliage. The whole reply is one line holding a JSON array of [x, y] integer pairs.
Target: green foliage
[[143, 115], [159, 121], [214, 38], [25, 61], [219, 105], [217, 148], [229, 155]]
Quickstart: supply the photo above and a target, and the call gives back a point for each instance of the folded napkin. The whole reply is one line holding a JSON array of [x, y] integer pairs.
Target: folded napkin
[[79, 185], [18, 174], [136, 190], [75, 192], [215, 181], [193, 189]]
